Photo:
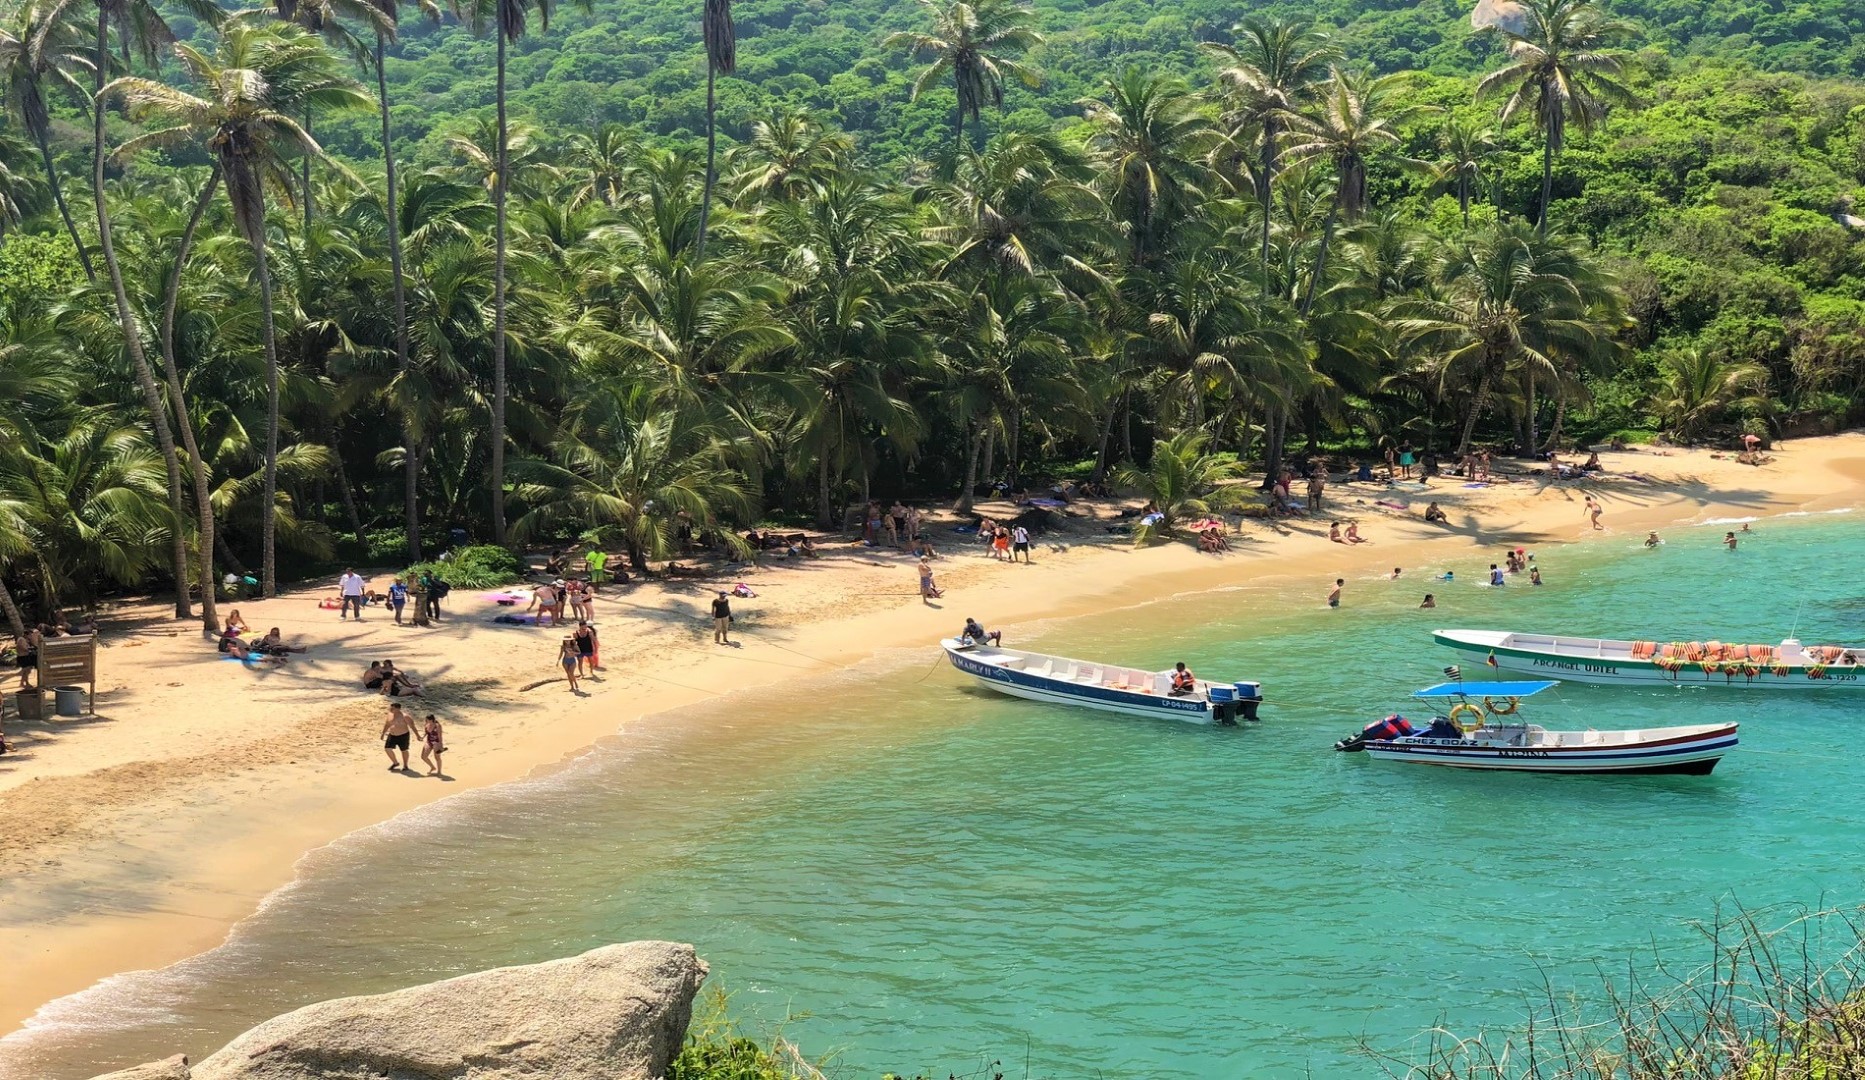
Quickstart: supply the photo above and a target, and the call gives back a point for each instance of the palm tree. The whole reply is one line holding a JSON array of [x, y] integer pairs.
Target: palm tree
[[1211, 341], [599, 164], [1022, 205], [142, 28], [1354, 119], [721, 56], [327, 19], [1696, 387], [1561, 69], [390, 10], [976, 43], [260, 77], [42, 46], [1182, 481], [630, 460], [1270, 74], [1467, 147], [91, 502], [1150, 136], [506, 19], [788, 156], [1503, 298]]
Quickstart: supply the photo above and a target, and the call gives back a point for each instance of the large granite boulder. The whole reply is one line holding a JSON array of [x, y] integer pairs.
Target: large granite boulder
[[615, 1013], [1502, 14], [175, 1068]]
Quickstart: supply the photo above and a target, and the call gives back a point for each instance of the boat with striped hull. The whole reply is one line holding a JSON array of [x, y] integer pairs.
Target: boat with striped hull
[[1787, 666], [1110, 688], [1496, 741]]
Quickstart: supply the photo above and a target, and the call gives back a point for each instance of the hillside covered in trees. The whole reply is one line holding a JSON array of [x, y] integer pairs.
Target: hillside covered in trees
[[228, 335]]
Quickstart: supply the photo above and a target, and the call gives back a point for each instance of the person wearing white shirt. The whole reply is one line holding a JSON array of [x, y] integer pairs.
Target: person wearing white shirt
[[1020, 543], [350, 588]]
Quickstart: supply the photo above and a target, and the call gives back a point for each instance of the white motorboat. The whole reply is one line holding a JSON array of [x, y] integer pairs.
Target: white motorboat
[[1786, 666], [1487, 736], [1111, 688]]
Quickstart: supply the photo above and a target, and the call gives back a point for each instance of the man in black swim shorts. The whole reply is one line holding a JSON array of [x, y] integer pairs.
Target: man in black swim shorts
[[395, 732]]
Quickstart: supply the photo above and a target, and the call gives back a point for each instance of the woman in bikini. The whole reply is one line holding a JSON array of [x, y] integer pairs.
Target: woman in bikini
[[431, 747], [569, 658], [1000, 543]]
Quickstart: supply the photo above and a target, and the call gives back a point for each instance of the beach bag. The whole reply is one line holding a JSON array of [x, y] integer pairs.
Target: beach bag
[[441, 589]]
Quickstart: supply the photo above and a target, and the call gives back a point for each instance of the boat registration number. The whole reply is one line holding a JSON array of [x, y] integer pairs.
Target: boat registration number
[[1524, 753]]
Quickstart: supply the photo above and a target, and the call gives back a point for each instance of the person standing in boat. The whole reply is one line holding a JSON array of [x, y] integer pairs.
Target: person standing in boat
[[1183, 681], [978, 635]]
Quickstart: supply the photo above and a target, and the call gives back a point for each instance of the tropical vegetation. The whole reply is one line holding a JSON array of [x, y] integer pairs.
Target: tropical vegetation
[[315, 280]]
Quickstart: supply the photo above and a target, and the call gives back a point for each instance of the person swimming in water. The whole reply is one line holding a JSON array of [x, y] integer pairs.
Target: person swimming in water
[[1430, 601], [1534, 575], [1495, 576]]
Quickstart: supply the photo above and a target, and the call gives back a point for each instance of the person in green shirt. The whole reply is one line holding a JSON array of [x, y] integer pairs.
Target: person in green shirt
[[596, 561]]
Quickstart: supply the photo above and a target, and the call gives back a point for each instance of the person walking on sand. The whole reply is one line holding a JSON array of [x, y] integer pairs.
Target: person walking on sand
[[398, 598], [1593, 512], [722, 620], [585, 638], [395, 732], [1317, 486], [431, 747], [1334, 593], [350, 587], [1020, 544], [567, 656]]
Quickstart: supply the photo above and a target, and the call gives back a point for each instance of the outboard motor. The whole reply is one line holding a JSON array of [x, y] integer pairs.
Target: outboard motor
[[1249, 698], [1223, 704], [1392, 727]]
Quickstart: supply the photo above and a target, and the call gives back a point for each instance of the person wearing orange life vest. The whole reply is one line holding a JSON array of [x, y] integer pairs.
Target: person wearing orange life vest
[[1183, 681]]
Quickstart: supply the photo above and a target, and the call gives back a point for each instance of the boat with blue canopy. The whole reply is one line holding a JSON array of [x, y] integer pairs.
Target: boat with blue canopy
[[1481, 731]]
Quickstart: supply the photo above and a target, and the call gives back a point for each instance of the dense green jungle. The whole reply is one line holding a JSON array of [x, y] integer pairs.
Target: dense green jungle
[[628, 269]]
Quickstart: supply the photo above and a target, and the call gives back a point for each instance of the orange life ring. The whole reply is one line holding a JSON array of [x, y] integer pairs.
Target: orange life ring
[[1781, 670], [1749, 671], [1499, 710], [1711, 667], [1817, 671]]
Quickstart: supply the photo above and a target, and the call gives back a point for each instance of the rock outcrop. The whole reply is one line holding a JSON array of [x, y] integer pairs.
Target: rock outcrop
[[1503, 14], [175, 1068], [615, 1013]]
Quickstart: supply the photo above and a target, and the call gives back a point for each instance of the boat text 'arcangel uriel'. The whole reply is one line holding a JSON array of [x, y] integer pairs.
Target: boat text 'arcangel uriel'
[[1041, 677], [1787, 666]]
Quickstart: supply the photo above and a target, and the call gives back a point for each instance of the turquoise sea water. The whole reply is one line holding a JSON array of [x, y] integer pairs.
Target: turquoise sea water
[[923, 876]]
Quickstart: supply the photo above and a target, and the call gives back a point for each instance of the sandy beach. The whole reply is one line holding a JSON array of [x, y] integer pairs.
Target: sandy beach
[[139, 836]]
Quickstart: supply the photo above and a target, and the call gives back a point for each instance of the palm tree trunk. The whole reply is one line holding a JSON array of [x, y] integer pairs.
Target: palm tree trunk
[[1463, 199], [1547, 183], [1534, 429], [268, 507], [343, 488], [1560, 416], [1268, 181], [132, 333], [13, 616], [1014, 445], [304, 177], [1321, 257], [64, 211], [974, 440], [1272, 444], [990, 451], [825, 510], [712, 150], [171, 374], [498, 312], [1476, 410], [1107, 436], [411, 456]]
